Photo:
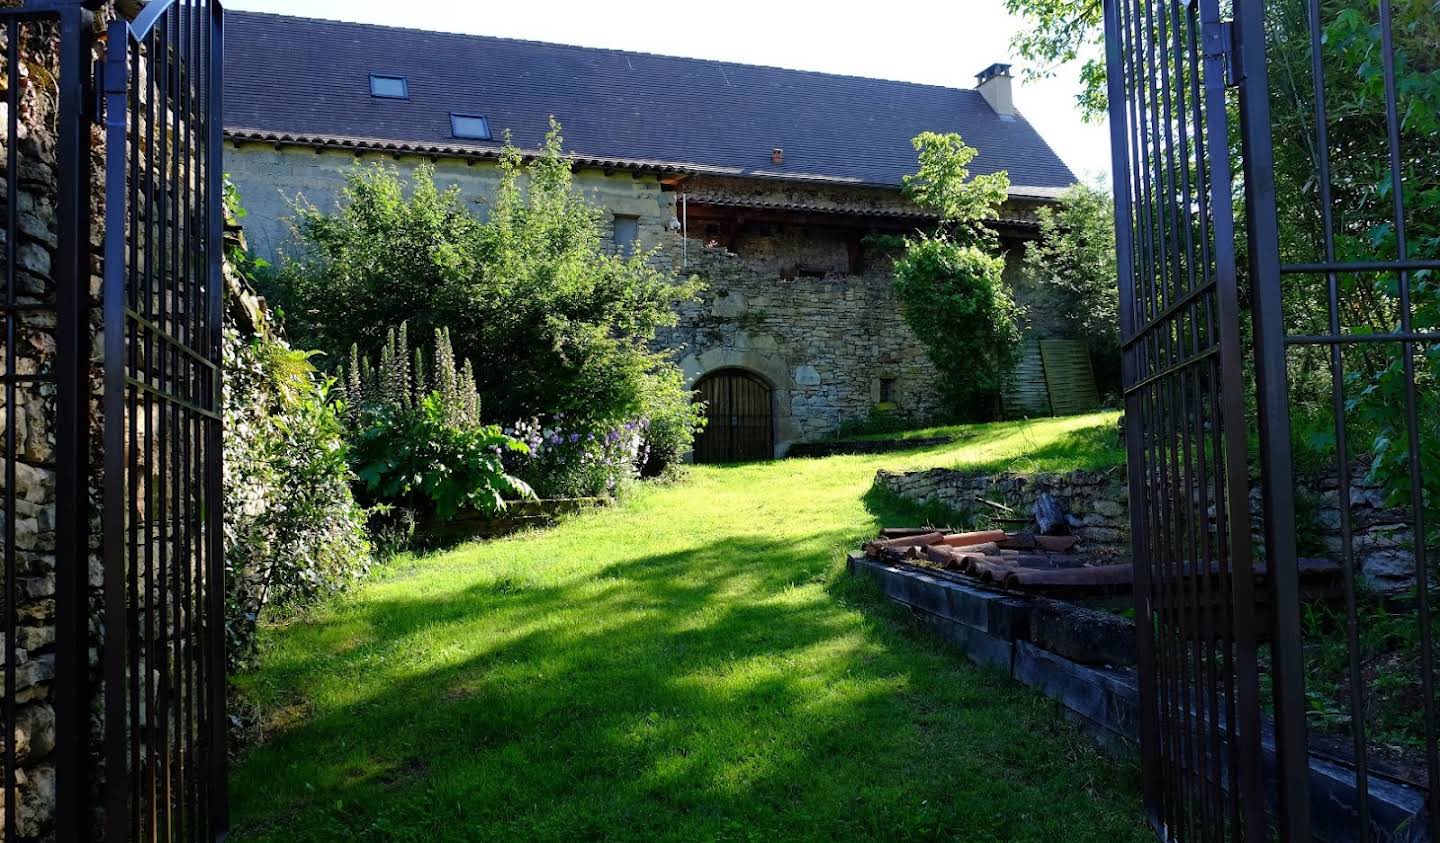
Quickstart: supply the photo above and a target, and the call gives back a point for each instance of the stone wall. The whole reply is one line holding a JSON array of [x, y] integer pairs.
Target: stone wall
[[824, 344], [270, 179], [1098, 503], [39, 205], [1383, 538], [34, 417]]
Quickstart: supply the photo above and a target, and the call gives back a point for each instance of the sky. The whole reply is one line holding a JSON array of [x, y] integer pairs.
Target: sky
[[939, 43]]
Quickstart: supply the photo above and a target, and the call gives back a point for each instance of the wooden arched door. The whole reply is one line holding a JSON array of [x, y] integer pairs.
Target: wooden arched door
[[739, 418]]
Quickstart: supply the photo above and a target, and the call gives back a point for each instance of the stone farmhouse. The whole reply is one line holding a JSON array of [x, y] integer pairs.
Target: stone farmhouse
[[763, 181]]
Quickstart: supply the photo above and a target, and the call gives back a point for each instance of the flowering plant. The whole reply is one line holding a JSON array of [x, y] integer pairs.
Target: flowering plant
[[417, 440], [567, 460]]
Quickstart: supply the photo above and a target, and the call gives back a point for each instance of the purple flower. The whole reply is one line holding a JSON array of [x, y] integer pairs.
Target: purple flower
[[574, 437]]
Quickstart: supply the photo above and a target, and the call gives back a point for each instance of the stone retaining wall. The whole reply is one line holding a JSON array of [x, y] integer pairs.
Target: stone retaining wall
[[1070, 655], [1098, 502]]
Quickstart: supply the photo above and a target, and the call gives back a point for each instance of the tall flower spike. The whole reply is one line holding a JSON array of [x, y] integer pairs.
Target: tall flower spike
[[469, 393], [354, 387], [402, 366]]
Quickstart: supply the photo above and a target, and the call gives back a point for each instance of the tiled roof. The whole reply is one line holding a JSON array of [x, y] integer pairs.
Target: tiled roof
[[303, 80]]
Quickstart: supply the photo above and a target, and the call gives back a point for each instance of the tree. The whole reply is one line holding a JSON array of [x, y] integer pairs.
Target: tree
[[949, 281], [555, 323], [1059, 32], [1073, 262]]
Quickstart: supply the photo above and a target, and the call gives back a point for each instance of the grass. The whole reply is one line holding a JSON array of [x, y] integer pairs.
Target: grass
[[1092, 447], [690, 665]]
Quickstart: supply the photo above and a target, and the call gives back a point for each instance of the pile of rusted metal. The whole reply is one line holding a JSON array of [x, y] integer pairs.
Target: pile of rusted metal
[[1021, 561]]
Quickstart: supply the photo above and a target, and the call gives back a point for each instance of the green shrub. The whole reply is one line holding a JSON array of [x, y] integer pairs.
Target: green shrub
[[417, 442], [292, 528], [561, 462], [949, 281], [421, 458], [560, 324], [671, 421], [954, 299]]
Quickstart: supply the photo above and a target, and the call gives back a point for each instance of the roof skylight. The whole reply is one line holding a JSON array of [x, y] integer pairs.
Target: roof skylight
[[473, 126], [389, 87]]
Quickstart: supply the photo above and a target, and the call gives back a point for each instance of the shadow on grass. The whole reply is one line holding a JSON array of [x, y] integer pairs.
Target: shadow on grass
[[723, 691]]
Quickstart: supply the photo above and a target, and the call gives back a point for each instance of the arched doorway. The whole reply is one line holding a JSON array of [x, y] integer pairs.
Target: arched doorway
[[739, 417]]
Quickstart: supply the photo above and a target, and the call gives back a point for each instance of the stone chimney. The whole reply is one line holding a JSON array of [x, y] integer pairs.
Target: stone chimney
[[993, 83]]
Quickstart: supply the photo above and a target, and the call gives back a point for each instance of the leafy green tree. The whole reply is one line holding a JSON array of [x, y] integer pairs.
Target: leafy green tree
[[1059, 32], [1073, 262], [949, 281], [555, 322]]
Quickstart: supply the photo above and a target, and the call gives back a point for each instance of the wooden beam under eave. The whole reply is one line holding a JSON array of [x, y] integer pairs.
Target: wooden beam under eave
[[835, 222]]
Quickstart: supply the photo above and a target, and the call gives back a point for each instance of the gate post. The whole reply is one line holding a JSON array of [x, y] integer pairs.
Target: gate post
[[72, 428], [1273, 412]]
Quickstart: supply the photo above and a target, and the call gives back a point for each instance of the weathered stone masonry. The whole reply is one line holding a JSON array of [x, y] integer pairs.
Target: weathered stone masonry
[[1099, 503], [824, 344]]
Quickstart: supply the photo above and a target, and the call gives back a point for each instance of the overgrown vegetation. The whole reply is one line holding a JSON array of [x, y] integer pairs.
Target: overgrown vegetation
[[417, 439], [949, 280], [562, 326], [1392, 712], [1073, 262], [293, 531]]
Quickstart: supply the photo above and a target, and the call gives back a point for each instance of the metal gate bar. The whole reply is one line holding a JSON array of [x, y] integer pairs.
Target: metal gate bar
[[1183, 372], [162, 300]]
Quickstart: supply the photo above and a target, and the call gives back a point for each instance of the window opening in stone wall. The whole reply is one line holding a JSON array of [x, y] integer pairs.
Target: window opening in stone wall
[[626, 233], [887, 390]]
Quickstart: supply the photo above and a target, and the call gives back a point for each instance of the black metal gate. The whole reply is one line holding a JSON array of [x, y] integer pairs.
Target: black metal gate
[[1314, 369], [1185, 418], [164, 571], [152, 607], [739, 418]]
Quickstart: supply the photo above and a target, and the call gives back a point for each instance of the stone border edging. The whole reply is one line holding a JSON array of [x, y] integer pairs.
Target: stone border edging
[[518, 515]]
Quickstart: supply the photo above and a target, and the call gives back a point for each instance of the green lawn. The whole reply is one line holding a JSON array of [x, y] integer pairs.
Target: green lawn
[[690, 665]]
